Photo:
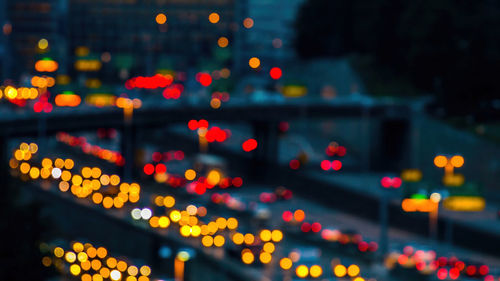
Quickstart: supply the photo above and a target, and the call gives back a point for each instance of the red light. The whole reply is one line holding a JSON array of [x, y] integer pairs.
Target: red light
[[149, 169], [396, 182], [442, 273], [283, 126], [316, 227], [178, 155], [287, 216], [193, 125], [275, 73], [305, 227], [336, 165], [363, 246], [203, 124], [454, 273], [341, 151], [161, 168], [249, 145], [483, 270], [237, 181], [157, 156], [205, 79], [200, 188], [326, 165], [471, 270], [294, 164], [386, 182]]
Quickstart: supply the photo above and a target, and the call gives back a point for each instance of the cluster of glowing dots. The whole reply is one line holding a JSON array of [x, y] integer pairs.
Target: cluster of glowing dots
[[214, 134], [42, 81], [111, 156], [90, 263], [351, 271], [153, 82], [127, 103], [42, 104], [11, 93], [268, 237], [334, 149], [173, 92], [87, 184]]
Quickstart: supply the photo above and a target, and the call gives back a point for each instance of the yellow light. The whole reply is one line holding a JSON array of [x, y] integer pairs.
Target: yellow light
[[207, 241], [195, 231], [265, 235], [190, 174], [232, 223], [276, 235], [315, 271], [358, 279], [70, 257], [163, 222], [254, 62], [132, 270], [82, 257], [353, 270], [185, 230], [339, 270], [169, 202], [265, 257], [111, 262], [249, 239], [302, 271], [175, 216], [219, 240], [457, 161], [58, 252], [247, 257], [34, 172], [238, 238], [440, 161], [213, 177], [191, 209], [464, 203], [145, 270], [69, 164], [214, 18], [161, 18], [104, 272], [286, 263], [75, 269], [221, 223], [269, 247], [223, 42], [43, 44]]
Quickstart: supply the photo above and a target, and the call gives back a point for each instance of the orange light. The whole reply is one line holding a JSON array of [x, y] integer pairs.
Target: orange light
[[457, 161], [222, 42], [254, 62], [46, 65], [70, 100], [161, 18], [214, 18], [299, 215], [418, 205], [440, 161], [248, 23]]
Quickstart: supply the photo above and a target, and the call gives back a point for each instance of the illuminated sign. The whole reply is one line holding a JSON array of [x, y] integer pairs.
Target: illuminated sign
[[464, 203], [411, 175], [419, 205]]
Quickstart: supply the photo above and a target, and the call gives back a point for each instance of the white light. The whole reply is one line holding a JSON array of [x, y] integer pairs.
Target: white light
[[435, 197], [56, 173], [146, 213], [136, 214], [115, 275]]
